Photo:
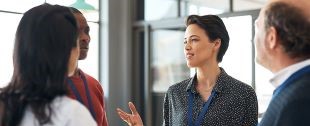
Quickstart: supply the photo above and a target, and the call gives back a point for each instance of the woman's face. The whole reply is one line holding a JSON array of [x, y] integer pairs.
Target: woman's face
[[198, 48], [73, 61]]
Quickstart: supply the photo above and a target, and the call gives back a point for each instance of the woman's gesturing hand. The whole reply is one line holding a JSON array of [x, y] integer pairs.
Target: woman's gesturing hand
[[132, 119]]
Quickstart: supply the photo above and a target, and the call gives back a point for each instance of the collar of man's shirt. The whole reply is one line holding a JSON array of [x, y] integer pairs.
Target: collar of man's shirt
[[285, 73]]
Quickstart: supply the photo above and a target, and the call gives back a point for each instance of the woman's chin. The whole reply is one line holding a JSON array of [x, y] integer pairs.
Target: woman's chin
[[190, 65]]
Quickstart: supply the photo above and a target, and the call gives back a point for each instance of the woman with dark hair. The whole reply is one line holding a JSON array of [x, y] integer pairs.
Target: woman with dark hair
[[211, 97], [45, 53]]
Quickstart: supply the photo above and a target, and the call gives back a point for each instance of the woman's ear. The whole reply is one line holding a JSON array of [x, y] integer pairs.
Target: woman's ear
[[217, 43]]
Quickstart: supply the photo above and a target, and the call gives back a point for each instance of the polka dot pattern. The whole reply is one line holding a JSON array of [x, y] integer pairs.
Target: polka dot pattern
[[234, 105]]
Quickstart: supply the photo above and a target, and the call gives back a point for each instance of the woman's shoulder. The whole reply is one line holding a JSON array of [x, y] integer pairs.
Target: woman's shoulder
[[65, 111], [224, 77], [180, 85], [71, 110], [230, 80], [67, 106], [66, 103], [236, 85]]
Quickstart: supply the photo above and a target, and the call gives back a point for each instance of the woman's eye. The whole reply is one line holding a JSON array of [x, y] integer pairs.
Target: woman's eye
[[194, 40], [185, 42]]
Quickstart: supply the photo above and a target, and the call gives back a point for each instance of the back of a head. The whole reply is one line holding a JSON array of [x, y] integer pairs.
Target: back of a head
[[44, 39], [292, 24], [302, 5], [75, 11], [214, 28]]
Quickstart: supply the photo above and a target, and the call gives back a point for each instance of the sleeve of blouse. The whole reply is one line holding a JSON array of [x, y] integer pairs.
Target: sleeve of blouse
[[166, 111], [251, 117]]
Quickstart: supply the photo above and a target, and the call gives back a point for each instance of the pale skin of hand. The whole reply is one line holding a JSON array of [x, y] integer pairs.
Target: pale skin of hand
[[132, 119]]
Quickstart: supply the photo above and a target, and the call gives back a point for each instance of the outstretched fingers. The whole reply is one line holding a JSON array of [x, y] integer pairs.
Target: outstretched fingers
[[124, 116], [133, 118], [132, 108]]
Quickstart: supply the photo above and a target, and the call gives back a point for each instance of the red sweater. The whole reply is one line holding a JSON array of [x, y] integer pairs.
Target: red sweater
[[96, 93]]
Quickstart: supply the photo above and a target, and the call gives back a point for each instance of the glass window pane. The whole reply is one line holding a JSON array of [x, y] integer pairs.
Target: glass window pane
[[264, 89], [168, 65], [8, 25], [237, 61], [61, 2], [19, 5], [94, 3], [243, 5], [90, 15], [160, 9], [204, 7]]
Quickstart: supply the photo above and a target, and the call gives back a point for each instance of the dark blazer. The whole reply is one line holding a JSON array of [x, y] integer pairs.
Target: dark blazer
[[291, 107]]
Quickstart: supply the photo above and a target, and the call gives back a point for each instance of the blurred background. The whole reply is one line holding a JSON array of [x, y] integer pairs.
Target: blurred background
[[136, 48]]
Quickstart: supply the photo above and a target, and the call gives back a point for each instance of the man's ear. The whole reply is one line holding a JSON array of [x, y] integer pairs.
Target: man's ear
[[271, 38]]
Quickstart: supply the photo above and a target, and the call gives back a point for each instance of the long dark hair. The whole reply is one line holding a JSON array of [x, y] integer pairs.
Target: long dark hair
[[44, 39]]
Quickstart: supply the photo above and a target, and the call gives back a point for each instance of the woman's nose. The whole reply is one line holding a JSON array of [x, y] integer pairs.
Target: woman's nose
[[187, 46]]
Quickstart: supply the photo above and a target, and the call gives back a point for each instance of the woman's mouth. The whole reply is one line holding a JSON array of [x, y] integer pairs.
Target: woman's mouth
[[189, 55]]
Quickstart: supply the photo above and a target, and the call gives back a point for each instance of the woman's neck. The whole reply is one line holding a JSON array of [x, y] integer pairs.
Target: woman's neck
[[207, 76]]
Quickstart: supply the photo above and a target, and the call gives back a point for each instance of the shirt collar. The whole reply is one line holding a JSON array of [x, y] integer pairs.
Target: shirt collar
[[77, 77], [285, 73], [219, 85]]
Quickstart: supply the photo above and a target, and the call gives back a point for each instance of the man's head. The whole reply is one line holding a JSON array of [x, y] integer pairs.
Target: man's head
[[283, 33], [84, 37]]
